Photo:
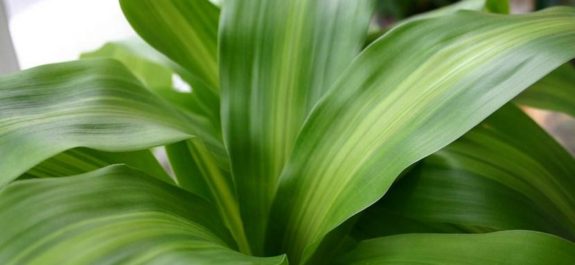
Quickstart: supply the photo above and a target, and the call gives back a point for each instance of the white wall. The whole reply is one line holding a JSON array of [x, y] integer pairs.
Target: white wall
[[8, 62], [47, 31]]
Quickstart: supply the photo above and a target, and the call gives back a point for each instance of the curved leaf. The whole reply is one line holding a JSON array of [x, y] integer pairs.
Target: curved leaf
[[418, 88], [555, 92], [506, 173], [277, 59], [157, 73], [111, 216], [501, 248], [96, 104]]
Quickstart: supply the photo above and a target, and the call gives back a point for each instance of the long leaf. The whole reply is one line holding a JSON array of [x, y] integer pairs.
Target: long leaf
[[506, 173], [277, 59], [554, 92], [501, 248], [111, 216], [418, 88], [96, 104]]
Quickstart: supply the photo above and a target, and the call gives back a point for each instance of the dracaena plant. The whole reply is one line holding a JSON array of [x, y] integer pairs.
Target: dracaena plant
[[293, 132]]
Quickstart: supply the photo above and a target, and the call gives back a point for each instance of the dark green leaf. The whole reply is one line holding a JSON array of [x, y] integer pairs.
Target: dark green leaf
[[501, 248]]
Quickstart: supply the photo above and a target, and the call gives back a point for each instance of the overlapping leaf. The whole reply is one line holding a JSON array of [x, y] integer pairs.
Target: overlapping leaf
[[96, 104], [555, 91], [201, 169], [112, 216], [277, 59], [418, 88], [507, 173]]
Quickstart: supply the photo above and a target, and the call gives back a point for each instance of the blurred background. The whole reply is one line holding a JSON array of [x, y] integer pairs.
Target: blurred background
[[36, 32]]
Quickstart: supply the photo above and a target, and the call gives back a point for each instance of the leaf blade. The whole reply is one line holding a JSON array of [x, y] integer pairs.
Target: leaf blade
[[507, 173], [277, 58], [96, 104], [373, 125], [185, 31], [135, 220], [505, 248]]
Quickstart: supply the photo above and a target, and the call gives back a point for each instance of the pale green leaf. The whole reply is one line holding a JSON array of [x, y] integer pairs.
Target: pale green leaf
[[111, 216], [151, 74]]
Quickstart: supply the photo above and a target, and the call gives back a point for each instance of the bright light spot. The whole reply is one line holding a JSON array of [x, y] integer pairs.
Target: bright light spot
[[180, 85]]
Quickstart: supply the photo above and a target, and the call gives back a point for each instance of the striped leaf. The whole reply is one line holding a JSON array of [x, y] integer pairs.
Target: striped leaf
[[203, 170], [183, 30], [112, 216], [96, 104], [410, 93], [277, 59]]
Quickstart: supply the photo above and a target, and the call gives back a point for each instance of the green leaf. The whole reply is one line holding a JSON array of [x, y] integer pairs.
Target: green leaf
[[501, 248], [185, 31], [277, 59], [150, 73], [81, 160], [415, 90], [199, 169], [498, 6], [554, 92], [111, 216], [506, 173], [157, 72], [96, 104]]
